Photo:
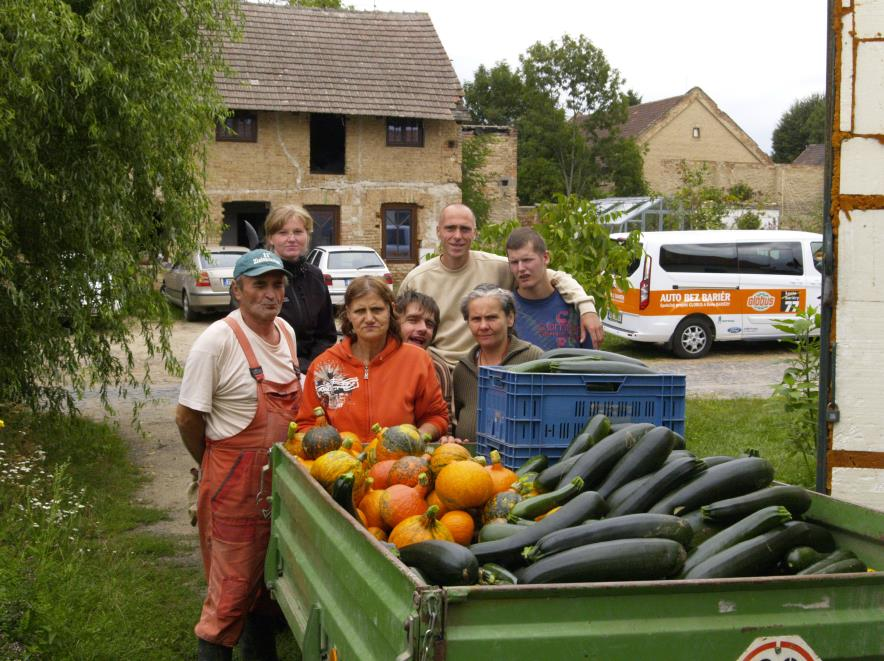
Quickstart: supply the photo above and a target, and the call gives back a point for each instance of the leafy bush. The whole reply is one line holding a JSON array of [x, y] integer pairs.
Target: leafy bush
[[578, 244], [473, 178], [799, 388], [749, 221]]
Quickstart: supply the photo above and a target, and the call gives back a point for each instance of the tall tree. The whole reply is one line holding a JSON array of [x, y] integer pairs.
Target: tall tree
[[804, 123], [105, 108], [566, 102]]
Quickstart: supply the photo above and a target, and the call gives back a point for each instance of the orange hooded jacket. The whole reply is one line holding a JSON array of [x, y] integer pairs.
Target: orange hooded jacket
[[398, 386]]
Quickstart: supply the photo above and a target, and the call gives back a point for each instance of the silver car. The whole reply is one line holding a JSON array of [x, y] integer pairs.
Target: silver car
[[340, 264], [209, 291]]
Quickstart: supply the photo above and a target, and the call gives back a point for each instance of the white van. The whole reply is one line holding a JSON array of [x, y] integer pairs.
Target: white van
[[694, 287]]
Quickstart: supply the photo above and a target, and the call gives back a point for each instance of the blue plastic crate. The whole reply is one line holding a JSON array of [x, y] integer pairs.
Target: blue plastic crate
[[522, 415]]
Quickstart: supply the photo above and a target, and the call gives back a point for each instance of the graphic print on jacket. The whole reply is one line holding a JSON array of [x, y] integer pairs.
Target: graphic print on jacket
[[332, 387]]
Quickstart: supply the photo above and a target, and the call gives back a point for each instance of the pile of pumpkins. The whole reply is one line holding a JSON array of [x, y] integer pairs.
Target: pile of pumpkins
[[398, 490]]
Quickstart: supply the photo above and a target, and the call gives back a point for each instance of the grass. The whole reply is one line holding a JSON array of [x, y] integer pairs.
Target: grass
[[733, 426]]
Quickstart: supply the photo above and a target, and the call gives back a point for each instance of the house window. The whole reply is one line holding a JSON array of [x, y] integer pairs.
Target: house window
[[402, 132], [400, 232], [326, 225], [241, 126], [696, 132], [327, 142]]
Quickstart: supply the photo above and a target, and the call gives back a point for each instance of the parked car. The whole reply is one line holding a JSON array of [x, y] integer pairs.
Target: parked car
[[340, 264], [209, 291]]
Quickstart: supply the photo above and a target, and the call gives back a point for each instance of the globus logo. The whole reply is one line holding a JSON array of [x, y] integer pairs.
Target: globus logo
[[761, 301]]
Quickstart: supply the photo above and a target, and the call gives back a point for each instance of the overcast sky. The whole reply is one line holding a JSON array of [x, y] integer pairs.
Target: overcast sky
[[753, 57]]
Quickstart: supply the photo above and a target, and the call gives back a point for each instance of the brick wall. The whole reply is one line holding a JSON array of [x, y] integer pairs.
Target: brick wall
[[499, 169], [276, 170]]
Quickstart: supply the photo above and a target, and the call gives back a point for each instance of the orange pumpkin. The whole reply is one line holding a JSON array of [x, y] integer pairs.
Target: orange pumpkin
[[398, 441], [378, 533], [445, 454], [370, 505], [501, 477], [380, 472], [419, 528], [464, 484], [307, 463], [407, 470], [330, 466], [433, 499], [461, 526], [399, 502]]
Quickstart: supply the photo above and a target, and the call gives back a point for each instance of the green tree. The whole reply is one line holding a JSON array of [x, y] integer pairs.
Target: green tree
[[804, 123], [473, 178], [105, 108], [566, 102], [696, 205]]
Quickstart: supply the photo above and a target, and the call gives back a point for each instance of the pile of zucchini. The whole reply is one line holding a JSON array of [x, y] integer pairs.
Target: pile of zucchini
[[581, 361], [629, 502]]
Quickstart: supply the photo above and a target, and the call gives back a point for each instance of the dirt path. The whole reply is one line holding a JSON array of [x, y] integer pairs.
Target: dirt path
[[731, 370]]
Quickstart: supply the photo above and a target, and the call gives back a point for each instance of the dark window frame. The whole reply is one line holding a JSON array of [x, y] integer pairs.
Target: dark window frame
[[236, 129], [336, 230], [699, 258], [328, 143], [777, 258], [411, 258], [398, 135]]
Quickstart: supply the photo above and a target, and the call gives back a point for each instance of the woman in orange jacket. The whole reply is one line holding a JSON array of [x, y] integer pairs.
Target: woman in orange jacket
[[372, 377]]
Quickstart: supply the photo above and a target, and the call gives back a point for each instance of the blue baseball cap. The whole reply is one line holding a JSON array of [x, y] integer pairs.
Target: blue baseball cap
[[257, 262]]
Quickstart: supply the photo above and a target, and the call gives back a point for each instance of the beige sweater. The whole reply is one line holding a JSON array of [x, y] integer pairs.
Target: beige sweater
[[449, 287]]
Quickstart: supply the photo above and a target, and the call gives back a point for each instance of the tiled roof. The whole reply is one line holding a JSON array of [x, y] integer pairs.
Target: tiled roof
[[812, 155], [347, 62], [642, 116]]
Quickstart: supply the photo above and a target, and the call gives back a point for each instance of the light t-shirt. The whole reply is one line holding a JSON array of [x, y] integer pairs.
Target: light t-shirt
[[217, 381]]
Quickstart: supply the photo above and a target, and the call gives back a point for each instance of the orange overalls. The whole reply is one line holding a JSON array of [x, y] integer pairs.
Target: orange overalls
[[233, 526]]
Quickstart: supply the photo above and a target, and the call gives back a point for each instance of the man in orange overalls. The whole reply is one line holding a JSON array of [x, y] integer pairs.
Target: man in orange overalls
[[240, 390]]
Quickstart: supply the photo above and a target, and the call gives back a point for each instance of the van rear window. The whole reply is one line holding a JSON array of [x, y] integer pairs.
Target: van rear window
[[771, 258], [699, 258]]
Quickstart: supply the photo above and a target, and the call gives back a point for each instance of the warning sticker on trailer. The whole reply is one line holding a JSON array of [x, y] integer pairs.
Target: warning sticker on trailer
[[712, 301], [779, 648]]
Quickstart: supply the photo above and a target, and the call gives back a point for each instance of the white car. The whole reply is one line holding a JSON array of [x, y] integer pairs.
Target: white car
[[340, 264]]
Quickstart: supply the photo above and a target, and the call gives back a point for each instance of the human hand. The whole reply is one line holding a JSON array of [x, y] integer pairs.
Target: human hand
[[452, 439], [193, 494], [590, 323]]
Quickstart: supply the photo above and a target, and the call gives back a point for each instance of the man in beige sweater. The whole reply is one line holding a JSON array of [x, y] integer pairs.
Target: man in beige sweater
[[458, 270]]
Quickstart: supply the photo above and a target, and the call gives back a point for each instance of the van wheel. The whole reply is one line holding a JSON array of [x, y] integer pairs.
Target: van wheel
[[692, 338]]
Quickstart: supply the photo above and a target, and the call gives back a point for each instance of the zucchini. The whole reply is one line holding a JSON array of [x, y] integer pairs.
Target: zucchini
[[755, 556], [497, 530], [578, 352], [417, 573], [550, 478], [533, 465], [631, 526], [717, 459], [801, 557], [656, 485], [734, 478], [794, 499], [342, 493], [838, 555], [593, 465], [531, 508], [441, 562], [615, 560], [753, 525], [702, 528], [595, 430], [817, 537], [508, 551], [590, 366], [493, 574], [624, 492], [843, 567], [537, 366], [645, 457], [679, 443], [678, 454]]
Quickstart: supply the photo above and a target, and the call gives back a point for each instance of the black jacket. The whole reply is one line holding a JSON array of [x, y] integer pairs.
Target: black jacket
[[308, 308]]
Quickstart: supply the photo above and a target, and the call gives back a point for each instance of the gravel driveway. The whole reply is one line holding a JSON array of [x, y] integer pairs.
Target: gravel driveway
[[730, 370]]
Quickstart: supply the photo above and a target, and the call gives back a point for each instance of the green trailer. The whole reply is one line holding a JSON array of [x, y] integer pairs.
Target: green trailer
[[340, 588]]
